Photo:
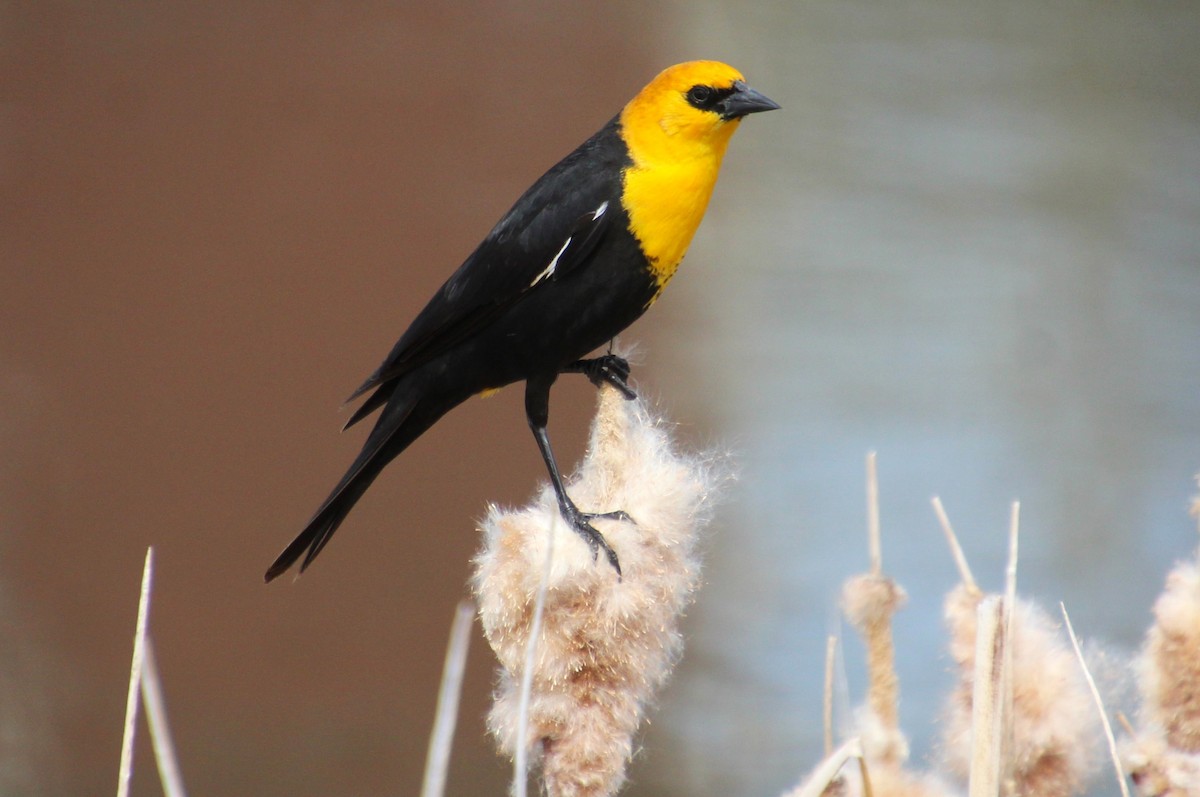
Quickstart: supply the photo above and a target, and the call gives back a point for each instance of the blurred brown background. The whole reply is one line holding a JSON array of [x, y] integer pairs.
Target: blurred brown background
[[217, 219], [970, 241]]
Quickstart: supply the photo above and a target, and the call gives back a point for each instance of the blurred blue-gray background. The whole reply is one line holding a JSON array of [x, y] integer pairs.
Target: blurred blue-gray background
[[970, 241]]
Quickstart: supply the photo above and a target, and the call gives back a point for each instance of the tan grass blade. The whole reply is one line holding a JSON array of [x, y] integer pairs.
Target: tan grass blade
[[125, 771], [960, 559], [521, 759], [874, 543], [827, 713], [828, 769], [1108, 731], [987, 698], [1007, 730], [160, 731], [441, 739]]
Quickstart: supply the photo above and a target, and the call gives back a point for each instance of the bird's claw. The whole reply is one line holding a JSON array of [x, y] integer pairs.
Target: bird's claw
[[616, 514], [581, 522], [610, 368]]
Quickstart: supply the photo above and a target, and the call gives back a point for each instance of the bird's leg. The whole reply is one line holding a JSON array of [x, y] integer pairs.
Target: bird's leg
[[610, 368], [537, 410]]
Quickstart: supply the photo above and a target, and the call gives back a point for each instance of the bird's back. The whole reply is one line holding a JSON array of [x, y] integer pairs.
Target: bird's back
[[496, 279]]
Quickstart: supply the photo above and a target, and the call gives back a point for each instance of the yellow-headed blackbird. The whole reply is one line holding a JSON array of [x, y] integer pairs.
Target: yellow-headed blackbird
[[578, 258]]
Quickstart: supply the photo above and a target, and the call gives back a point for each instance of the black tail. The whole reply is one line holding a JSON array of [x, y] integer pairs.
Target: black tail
[[391, 435]]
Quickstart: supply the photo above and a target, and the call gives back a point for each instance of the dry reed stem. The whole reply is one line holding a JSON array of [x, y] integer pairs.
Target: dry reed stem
[[1046, 730], [874, 540], [125, 770], [160, 731], [1125, 724], [864, 772], [1007, 739], [869, 601], [606, 643], [830, 778], [1021, 714], [441, 738], [826, 773], [987, 698], [1053, 732], [827, 702], [1194, 509], [1108, 732], [520, 784], [960, 559]]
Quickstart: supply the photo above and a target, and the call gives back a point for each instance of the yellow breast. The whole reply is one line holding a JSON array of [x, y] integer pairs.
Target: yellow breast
[[665, 203]]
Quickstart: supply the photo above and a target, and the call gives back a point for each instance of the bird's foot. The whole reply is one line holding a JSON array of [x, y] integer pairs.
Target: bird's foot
[[581, 523], [610, 368]]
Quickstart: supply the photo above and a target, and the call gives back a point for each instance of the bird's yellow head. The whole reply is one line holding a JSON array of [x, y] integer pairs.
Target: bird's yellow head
[[689, 110], [676, 130]]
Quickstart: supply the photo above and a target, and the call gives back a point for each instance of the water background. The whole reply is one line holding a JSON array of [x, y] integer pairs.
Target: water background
[[970, 242]]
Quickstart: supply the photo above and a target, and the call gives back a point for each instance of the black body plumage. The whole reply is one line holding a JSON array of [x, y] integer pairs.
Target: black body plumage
[[584, 251], [557, 277]]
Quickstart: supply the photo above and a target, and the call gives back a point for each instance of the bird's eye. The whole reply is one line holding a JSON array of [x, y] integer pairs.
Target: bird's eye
[[699, 96]]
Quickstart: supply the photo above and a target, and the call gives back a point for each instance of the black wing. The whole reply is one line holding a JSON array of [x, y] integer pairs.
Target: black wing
[[551, 230]]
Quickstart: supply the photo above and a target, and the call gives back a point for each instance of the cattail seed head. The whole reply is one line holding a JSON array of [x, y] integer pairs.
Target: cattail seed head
[[607, 642]]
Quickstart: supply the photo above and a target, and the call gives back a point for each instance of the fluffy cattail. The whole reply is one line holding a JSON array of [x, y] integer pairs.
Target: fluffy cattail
[[838, 776], [897, 782], [1171, 665], [1053, 721], [1159, 771], [1164, 758], [606, 642], [869, 601]]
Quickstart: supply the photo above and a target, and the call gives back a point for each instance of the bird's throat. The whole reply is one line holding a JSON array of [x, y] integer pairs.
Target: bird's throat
[[665, 203]]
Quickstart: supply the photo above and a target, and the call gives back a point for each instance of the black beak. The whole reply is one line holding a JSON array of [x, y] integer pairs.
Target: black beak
[[744, 101]]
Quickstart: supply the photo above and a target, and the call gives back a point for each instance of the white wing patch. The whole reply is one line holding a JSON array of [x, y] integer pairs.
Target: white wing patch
[[548, 272]]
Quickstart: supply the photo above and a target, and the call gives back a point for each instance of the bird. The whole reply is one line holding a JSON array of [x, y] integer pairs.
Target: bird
[[580, 256]]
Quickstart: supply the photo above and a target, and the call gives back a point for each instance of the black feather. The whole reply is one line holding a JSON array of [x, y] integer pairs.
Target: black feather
[[503, 316]]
